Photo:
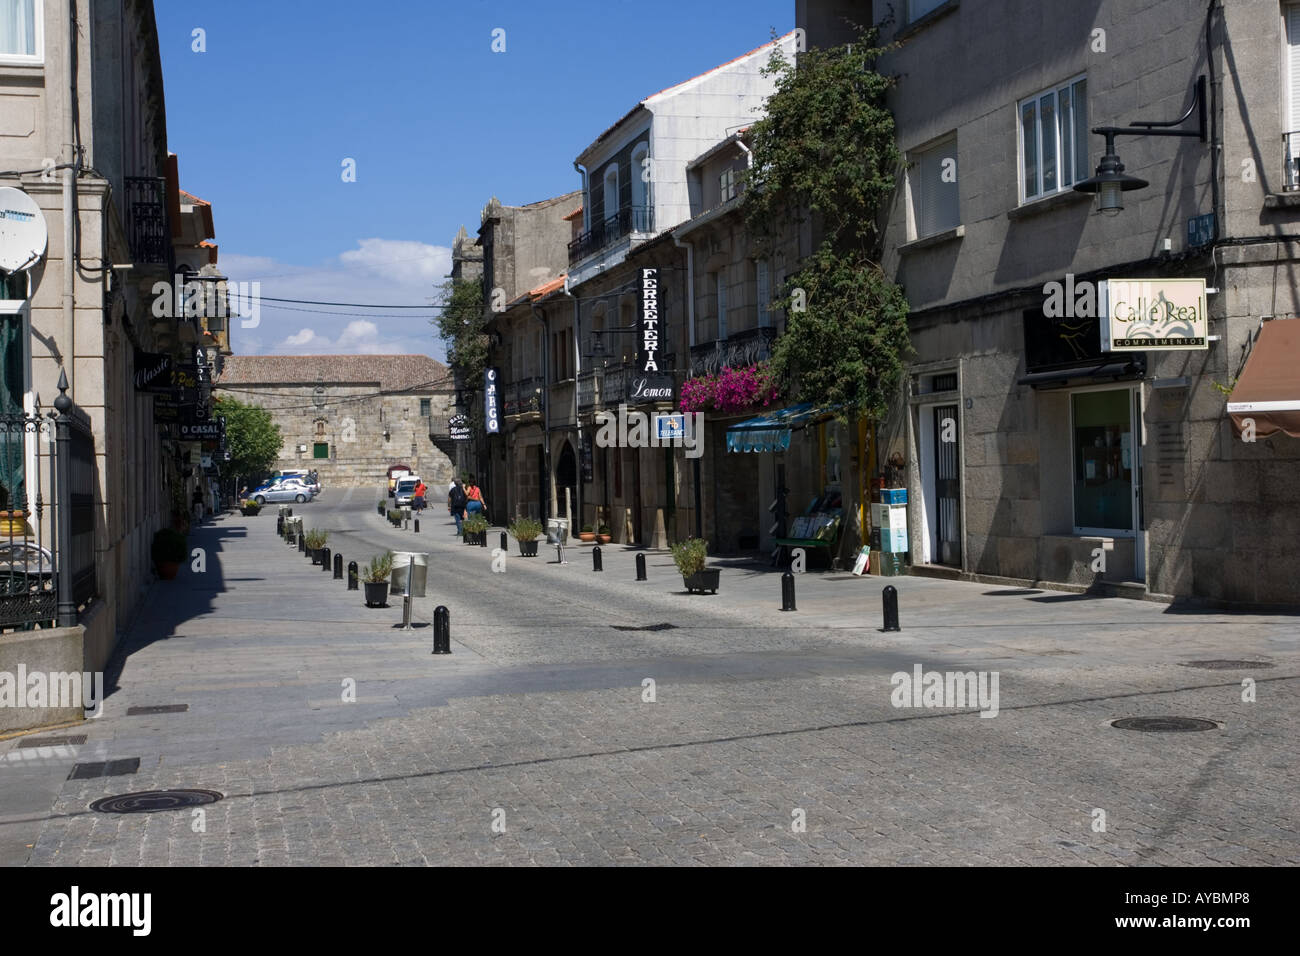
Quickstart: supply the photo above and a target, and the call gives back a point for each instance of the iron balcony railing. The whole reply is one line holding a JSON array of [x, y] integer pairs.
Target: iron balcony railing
[[47, 517], [147, 226], [739, 350], [522, 396], [590, 389], [628, 220], [1291, 161]]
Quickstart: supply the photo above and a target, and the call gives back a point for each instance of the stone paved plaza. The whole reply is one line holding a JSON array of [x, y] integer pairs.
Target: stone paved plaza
[[772, 738]]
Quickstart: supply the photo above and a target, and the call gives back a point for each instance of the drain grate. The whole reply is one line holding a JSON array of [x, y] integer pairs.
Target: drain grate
[[1164, 725], [104, 768], [665, 626], [157, 709], [1225, 665], [153, 801], [74, 740]]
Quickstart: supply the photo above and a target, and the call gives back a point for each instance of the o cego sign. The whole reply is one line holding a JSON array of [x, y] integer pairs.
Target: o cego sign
[[491, 413]]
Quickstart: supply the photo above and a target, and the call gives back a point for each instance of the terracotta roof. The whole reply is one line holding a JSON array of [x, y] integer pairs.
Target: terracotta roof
[[546, 288], [392, 373], [192, 199], [574, 215]]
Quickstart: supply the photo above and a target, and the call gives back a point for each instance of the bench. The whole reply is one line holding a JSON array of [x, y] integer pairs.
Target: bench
[[815, 529]]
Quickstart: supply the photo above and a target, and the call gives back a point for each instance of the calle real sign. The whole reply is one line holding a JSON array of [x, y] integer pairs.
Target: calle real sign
[[1153, 315]]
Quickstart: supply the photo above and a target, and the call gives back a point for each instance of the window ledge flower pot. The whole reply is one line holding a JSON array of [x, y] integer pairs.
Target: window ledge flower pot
[[706, 580], [587, 536], [604, 538], [376, 593]]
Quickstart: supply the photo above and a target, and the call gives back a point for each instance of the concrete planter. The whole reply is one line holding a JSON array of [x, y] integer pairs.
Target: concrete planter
[[528, 549], [376, 593]]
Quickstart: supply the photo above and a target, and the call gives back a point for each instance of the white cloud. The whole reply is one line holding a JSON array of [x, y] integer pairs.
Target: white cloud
[[377, 272]]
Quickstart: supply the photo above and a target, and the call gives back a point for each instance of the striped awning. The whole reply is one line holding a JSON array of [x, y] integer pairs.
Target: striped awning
[[1266, 398], [771, 432]]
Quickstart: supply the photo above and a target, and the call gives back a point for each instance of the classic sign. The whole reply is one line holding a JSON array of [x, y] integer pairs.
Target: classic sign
[[1153, 315]]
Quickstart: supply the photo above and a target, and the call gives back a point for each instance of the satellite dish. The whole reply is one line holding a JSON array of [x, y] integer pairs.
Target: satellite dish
[[22, 230]]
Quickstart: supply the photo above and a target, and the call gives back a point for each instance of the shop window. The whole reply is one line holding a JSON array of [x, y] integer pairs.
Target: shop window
[[320, 449], [1103, 460], [1054, 140], [932, 185]]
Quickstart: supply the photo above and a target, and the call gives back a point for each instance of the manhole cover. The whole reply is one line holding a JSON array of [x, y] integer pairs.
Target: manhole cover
[[157, 709], [1163, 725], [645, 627], [1226, 665], [152, 801], [73, 740]]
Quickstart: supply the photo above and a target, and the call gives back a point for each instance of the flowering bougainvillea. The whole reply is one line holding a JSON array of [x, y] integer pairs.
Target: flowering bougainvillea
[[731, 390]]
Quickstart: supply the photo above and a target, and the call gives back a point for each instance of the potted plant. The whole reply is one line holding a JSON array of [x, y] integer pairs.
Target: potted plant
[[475, 527], [526, 531], [587, 534], [315, 540], [170, 549], [603, 535], [250, 508], [381, 507], [395, 518], [375, 576], [689, 555]]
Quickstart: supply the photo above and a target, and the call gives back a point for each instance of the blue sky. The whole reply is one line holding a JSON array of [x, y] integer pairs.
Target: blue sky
[[436, 121]]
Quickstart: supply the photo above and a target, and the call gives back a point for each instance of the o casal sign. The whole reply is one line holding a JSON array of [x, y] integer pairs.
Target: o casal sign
[[1153, 315]]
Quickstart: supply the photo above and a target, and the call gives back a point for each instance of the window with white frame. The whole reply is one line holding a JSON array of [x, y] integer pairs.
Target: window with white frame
[[1053, 129], [640, 176], [932, 185], [728, 180], [1291, 135], [21, 37], [763, 288]]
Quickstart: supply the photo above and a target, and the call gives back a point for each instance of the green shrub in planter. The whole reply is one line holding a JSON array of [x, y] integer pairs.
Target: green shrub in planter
[[525, 529], [689, 556], [170, 547], [395, 517], [476, 524], [315, 539], [379, 568]]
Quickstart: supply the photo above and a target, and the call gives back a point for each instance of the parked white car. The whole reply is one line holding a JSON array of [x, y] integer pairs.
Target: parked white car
[[404, 493]]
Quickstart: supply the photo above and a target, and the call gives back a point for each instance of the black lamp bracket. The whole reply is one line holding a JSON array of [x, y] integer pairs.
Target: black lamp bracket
[[1163, 127]]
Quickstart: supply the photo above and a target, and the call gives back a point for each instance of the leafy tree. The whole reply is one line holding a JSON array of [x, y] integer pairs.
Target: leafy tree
[[826, 147], [462, 328], [253, 440]]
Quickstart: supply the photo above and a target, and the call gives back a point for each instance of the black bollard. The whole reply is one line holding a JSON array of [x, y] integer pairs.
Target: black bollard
[[324, 559], [279, 526], [504, 546], [338, 567], [596, 564], [288, 512], [890, 597], [441, 630], [417, 525], [482, 541], [352, 576], [787, 592], [302, 543], [640, 567]]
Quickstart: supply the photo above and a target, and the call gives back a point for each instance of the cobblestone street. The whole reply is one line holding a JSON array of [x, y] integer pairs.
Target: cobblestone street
[[770, 738]]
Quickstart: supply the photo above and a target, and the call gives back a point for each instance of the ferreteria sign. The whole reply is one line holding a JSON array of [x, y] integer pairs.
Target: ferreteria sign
[[651, 383], [1153, 315]]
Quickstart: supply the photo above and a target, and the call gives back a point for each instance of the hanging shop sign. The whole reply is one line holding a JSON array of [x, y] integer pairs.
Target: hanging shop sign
[[491, 403], [204, 431], [651, 383], [459, 426], [1153, 315], [153, 372]]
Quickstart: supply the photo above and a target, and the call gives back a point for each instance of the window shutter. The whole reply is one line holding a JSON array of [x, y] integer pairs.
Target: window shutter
[[936, 198]]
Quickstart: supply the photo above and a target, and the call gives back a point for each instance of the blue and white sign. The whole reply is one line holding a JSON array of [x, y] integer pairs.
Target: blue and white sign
[[491, 406], [670, 427]]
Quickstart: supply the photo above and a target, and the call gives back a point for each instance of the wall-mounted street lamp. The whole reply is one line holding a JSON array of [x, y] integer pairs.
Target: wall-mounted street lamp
[[598, 347], [1111, 183]]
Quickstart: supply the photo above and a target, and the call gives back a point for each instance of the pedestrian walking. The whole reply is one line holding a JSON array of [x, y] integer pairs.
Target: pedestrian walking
[[474, 495], [456, 501], [417, 497]]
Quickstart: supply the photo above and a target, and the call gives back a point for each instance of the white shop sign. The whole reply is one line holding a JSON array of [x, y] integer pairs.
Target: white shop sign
[[1143, 315]]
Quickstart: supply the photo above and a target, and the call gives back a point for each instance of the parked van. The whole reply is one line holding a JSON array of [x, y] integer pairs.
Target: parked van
[[394, 472]]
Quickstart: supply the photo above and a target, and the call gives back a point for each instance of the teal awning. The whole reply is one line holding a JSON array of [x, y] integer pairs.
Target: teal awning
[[771, 432]]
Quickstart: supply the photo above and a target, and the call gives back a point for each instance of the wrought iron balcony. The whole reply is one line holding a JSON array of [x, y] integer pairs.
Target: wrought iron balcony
[[590, 389], [628, 220], [523, 396], [739, 350], [147, 227], [1291, 161]]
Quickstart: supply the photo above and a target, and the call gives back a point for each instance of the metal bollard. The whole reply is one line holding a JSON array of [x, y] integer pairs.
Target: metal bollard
[[640, 567], [504, 546], [890, 598], [302, 543], [787, 592], [279, 525], [441, 630], [352, 576], [596, 564], [417, 525], [482, 539], [338, 567], [324, 559]]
